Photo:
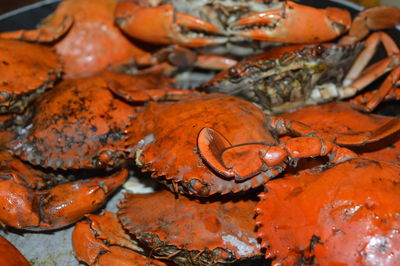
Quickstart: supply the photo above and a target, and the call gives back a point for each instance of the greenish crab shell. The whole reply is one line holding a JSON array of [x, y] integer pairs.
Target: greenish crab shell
[[288, 77]]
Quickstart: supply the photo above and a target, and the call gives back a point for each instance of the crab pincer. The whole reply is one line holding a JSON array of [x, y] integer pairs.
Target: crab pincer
[[34, 200], [164, 25], [294, 23]]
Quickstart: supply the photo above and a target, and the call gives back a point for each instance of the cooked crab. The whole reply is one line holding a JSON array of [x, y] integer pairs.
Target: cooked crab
[[81, 32], [27, 70], [81, 123], [163, 140], [204, 233], [77, 129], [346, 214]]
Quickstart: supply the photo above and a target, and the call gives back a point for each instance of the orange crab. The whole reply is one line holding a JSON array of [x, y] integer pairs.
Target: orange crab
[[81, 123], [74, 130], [82, 32], [343, 215]]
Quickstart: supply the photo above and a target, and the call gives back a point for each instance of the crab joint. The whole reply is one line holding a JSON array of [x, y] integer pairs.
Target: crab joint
[[274, 156]]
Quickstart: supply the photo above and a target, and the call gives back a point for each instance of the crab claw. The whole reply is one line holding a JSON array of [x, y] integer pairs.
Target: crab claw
[[241, 161], [25, 205], [163, 25], [294, 23]]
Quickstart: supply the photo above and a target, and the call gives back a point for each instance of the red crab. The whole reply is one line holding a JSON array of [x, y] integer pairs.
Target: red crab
[[10, 256], [165, 140], [27, 70], [82, 31], [344, 215], [81, 123], [203, 233]]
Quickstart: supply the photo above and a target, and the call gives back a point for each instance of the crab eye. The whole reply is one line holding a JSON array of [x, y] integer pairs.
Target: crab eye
[[319, 50], [234, 75]]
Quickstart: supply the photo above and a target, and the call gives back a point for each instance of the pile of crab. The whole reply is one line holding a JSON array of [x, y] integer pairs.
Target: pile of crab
[[261, 164]]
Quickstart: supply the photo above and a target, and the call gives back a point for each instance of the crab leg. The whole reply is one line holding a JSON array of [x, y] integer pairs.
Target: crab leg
[[215, 62], [50, 31], [386, 90], [163, 25], [182, 57], [371, 45], [294, 23], [370, 98], [357, 79]]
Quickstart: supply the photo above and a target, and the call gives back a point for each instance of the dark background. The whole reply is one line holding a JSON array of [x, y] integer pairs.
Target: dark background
[[8, 5]]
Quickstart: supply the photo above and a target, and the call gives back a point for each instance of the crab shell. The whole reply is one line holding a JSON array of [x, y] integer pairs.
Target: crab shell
[[78, 124], [189, 231], [27, 70], [164, 141], [10, 255], [347, 215], [341, 118]]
